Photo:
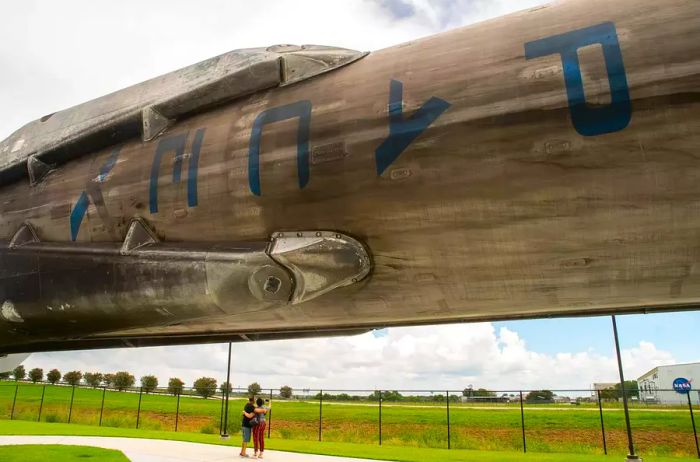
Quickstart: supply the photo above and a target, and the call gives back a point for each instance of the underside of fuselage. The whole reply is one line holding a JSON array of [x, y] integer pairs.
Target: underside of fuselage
[[541, 164]]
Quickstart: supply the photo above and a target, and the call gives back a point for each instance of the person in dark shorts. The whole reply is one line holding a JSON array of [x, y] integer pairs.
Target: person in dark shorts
[[246, 428], [259, 429]]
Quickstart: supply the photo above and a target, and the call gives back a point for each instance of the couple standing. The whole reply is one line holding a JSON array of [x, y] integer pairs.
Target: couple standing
[[254, 422]]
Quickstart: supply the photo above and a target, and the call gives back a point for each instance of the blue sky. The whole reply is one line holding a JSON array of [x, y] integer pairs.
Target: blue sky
[[674, 332]]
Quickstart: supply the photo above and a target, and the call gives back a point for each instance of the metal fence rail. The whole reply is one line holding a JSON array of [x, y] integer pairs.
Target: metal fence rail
[[518, 400]]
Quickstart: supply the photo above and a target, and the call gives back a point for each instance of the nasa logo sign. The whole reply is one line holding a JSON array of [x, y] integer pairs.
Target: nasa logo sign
[[682, 385]]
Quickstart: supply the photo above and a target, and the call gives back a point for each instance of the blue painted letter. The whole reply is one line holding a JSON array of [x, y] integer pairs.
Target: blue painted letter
[[301, 109], [176, 143], [402, 131], [590, 121], [80, 208]]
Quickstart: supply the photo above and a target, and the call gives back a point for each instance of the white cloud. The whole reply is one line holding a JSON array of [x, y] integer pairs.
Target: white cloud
[[427, 357]]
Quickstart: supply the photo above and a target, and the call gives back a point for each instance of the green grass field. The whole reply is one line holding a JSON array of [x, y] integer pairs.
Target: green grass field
[[44, 452], [573, 429], [393, 453]]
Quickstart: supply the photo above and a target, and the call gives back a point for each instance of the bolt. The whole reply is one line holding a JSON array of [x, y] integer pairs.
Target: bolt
[[272, 285]]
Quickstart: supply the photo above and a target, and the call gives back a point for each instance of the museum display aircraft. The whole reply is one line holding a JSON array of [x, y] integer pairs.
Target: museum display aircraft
[[546, 163]]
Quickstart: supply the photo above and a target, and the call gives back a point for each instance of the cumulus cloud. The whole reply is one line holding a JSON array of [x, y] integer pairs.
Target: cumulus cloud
[[427, 357]]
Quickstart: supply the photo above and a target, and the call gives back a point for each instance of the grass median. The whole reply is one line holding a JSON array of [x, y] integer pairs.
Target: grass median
[[44, 452]]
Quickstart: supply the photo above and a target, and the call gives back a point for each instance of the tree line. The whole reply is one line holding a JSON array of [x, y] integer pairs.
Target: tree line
[[123, 380]]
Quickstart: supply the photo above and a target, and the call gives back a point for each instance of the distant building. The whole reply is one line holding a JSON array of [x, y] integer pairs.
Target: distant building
[[671, 384], [600, 387]]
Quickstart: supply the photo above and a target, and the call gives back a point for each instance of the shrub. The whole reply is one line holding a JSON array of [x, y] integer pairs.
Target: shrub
[[286, 392], [72, 377], [208, 429], [149, 383], [93, 379], [175, 386], [224, 386], [53, 376], [123, 380], [205, 386], [19, 373], [36, 375]]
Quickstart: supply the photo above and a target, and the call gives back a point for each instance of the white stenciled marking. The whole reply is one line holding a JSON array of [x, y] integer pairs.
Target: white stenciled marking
[[10, 313]]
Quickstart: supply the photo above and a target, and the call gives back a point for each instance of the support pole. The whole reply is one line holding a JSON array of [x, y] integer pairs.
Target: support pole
[[14, 401], [269, 417], [227, 392], [692, 419], [177, 411], [449, 443], [70, 408], [522, 421], [138, 413], [602, 424], [320, 416], [380, 417], [41, 406], [630, 442], [102, 406]]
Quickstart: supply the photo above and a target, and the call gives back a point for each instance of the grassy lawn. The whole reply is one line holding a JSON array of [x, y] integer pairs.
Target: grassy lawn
[[44, 452], [392, 453], [549, 429]]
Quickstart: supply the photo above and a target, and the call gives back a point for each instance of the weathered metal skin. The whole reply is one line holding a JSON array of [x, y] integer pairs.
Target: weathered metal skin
[[540, 164]]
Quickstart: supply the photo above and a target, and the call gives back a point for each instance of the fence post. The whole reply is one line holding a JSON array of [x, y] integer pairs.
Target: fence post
[[522, 421], [14, 401], [41, 406], [102, 406], [177, 411], [380, 417], [449, 443], [692, 419], [70, 408], [138, 413], [602, 424], [320, 415], [269, 417]]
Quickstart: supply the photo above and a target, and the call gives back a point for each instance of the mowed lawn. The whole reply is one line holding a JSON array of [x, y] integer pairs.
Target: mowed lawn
[[571, 429], [48, 452]]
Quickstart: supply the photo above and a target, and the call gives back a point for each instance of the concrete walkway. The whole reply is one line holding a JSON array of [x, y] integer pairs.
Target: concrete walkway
[[144, 450]]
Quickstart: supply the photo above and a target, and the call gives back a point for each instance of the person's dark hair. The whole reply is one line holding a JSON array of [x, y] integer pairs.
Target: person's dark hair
[[251, 399], [259, 402]]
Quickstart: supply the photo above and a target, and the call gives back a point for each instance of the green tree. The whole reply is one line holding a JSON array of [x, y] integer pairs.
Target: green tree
[[205, 386], [53, 376], [631, 387], [254, 388], [149, 383], [123, 380], [540, 396], [223, 387], [108, 380], [4, 375], [286, 392], [72, 377], [93, 379], [36, 375], [19, 373], [175, 386]]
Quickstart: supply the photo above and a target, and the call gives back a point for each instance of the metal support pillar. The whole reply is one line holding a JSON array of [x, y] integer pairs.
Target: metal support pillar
[[602, 424], [41, 406], [631, 456], [320, 416], [70, 408], [269, 416], [522, 421], [692, 419], [449, 443], [14, 401], [138, 413], [380, 417], [102, 406], [177, 411], [227, 392]]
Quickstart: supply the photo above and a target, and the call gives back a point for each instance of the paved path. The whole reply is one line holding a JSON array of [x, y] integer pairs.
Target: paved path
[[145, 450]]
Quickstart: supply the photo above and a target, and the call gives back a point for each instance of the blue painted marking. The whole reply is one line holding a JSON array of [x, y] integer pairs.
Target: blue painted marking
[[301, 109], [174, 143], [403, 131], [193, 168], [80, 208], [590, 121]]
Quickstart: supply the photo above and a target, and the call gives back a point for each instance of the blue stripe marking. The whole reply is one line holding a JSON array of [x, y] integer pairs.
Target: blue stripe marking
[[192, 171]]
